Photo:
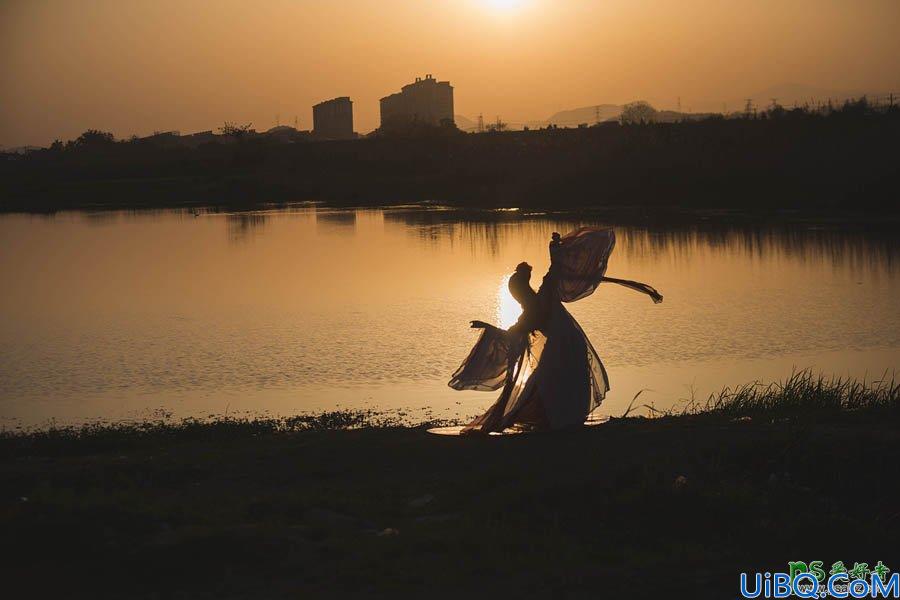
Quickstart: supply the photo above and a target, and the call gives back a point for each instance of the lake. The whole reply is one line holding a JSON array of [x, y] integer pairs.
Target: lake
[[111, 316]]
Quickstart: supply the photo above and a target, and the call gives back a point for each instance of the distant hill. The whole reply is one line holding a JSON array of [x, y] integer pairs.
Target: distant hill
[[464, 123], [565, 118], [588, 115], [585, 114], [787, 94], [612, 112]]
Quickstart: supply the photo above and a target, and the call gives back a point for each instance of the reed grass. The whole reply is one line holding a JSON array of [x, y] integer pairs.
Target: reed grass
[[804, 392]]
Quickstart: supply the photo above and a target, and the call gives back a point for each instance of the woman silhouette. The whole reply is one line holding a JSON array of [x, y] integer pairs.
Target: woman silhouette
[[550, 374]]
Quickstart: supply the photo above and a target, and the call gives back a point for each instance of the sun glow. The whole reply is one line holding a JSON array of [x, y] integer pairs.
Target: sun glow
[[505, 5], [508, 310]]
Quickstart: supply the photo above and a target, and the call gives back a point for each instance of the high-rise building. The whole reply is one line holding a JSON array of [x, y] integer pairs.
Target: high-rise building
[[425, 101], [333, 119]]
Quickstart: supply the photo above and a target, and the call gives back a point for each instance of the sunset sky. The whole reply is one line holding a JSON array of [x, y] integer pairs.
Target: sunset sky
[[132, 67]]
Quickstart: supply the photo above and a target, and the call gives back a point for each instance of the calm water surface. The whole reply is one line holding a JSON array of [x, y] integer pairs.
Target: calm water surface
[[118, 316]]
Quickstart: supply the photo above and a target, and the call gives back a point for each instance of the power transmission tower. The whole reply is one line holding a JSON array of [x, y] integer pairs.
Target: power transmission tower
[[679, 103], [748, 108], [480, 127], [596, 114]]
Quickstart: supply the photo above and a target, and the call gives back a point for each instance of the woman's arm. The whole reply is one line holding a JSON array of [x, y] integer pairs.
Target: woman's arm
[[555, 245], [515, 330], [548, 283]]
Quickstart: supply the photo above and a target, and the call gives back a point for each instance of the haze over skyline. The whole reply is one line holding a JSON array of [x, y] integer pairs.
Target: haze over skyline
[[136, 67]]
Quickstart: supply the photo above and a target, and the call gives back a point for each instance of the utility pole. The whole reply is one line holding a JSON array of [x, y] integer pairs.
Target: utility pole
[[596, 114], [679, 103]]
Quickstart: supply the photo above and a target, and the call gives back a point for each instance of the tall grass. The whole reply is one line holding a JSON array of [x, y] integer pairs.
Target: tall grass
[[804, 392]]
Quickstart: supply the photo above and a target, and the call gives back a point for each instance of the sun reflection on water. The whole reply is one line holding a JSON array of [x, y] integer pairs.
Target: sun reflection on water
[[508, 310]]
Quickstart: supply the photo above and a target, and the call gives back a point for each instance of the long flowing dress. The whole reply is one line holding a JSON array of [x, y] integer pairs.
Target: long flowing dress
[[551, 375]]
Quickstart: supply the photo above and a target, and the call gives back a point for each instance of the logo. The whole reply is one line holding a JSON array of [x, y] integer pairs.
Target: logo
[[811, 580]]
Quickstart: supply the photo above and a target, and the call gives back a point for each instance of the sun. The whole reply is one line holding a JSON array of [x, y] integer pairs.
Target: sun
[[508, 310]]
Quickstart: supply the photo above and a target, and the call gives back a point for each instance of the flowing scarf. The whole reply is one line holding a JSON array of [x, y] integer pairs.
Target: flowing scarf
[[578, 264], [638, 287]]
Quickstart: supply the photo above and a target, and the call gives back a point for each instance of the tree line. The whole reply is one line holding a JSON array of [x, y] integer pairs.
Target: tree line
[[843, 158]]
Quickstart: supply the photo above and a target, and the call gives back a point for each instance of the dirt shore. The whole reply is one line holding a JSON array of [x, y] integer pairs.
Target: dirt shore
[[672, 507]]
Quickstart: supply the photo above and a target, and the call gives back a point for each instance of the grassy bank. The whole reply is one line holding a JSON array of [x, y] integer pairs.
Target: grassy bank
[[354, 503]]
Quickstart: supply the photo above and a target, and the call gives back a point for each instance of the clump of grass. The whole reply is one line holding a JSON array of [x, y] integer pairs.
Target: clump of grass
[[804, 392]]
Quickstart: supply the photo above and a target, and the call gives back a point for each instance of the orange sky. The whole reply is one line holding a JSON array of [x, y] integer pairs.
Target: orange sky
[[135, 66]]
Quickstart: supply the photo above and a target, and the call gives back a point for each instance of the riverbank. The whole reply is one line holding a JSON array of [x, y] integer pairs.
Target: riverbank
[[840, 161], [345, 505]]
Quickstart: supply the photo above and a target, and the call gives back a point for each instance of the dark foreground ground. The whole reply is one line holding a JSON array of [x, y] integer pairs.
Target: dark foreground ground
[[674, 507]]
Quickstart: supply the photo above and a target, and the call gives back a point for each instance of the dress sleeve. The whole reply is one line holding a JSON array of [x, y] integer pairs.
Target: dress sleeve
[[578, 265], [578, 262], [484, 369]]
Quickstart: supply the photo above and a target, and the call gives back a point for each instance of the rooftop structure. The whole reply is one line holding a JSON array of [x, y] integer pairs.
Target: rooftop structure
[[425, 101]]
